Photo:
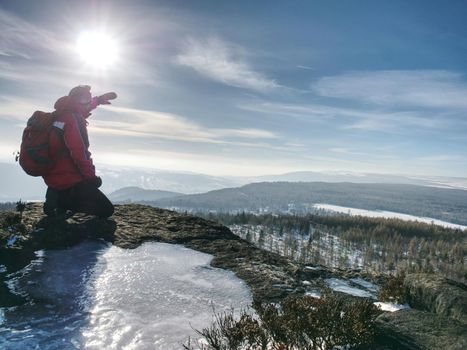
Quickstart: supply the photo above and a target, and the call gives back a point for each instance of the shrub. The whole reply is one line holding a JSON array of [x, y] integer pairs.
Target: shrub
[[393, 290], [295, 323]]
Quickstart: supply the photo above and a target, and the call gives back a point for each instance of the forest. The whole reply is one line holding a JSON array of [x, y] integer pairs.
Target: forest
[[373, 245], [7, 206], [299, 197]]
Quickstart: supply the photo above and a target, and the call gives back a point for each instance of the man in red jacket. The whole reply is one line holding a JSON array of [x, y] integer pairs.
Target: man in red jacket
[[72, 183]]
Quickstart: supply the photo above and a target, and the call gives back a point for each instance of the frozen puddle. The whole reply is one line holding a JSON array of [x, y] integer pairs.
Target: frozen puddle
[[95, 296]]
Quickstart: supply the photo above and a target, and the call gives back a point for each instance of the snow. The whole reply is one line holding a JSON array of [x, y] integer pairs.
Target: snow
[[2, 268], [391, 307], [97, 296], [313, 268], [11, 241], [313, 294], [386, 214], [322, 246], [365, 284], [342, 286]]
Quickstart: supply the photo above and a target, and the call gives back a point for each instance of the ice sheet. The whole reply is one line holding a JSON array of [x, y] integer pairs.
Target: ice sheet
[[95, 296]]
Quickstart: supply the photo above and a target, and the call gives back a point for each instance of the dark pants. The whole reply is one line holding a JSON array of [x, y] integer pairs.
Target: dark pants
[[83, 197]]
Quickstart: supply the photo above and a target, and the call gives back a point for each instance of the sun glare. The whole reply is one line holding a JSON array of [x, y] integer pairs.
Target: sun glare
[[97, 49]]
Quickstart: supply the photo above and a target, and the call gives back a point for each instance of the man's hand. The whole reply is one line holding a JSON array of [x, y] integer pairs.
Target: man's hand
[[104, 99], [95, 181]]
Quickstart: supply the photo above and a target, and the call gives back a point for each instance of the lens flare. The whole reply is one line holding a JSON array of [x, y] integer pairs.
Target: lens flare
[[97, 49]]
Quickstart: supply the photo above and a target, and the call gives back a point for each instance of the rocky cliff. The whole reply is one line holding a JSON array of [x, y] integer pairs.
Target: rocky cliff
[[437, 319], [437, 294], [269, 276]]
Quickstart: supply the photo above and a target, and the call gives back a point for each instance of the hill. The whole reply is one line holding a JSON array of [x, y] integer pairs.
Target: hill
[[431, 324], [439, 203], [17, 185], [134, 194]]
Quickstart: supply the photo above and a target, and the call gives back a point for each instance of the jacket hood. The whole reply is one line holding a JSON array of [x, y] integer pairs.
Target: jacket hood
[[67, 103]]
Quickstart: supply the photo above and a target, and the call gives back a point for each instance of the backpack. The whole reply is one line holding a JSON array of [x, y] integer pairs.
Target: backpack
[[34, 156]]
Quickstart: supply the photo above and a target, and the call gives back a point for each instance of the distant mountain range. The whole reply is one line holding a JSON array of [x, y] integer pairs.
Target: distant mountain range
[[16, 184], [310, 176], [130, 194], [187, 183], [438, 203]]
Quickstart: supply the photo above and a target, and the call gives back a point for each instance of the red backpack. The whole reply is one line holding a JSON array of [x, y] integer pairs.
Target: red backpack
[[34, 156]]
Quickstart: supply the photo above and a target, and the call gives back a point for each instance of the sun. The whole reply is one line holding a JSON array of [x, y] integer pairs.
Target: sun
[[97, 49]]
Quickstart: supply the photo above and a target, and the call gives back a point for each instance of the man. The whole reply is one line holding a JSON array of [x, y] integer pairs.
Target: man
[[72, 182]]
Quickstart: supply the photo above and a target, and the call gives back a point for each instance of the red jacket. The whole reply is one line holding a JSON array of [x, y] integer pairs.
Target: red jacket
[[69, 145]]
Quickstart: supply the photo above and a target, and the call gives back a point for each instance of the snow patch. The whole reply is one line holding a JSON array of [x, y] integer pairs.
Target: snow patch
[[313, 268], [314, 294], [365, 284], [342, 286], [390, 306], [11, 241], [387, 214]]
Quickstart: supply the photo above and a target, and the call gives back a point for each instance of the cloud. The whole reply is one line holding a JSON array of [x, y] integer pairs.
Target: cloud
[[16, 108], [215, 60], [303, 112], [213, 164], [149, 123], [398, 88], [19, 38], [399, 122], [442, 158], [363, 118], [347, 151]]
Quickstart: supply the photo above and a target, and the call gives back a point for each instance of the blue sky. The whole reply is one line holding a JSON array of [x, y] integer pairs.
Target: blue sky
[[250, 87]]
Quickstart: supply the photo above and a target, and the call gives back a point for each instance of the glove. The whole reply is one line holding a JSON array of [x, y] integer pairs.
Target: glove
[[95, 181], [104, 99]]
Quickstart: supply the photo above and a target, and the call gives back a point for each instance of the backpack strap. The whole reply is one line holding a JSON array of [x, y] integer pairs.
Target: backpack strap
[[59, 127], [82, 130]]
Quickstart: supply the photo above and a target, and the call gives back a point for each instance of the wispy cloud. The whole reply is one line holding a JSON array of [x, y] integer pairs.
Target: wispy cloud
[[148, 123], [19, 38], [17, 108], [314, 112], [368, 118], [394, 89], [214, 59], [443, 158], [347, 151]]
